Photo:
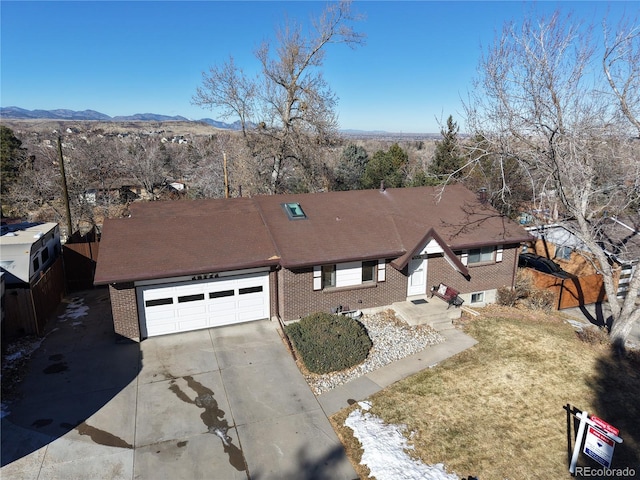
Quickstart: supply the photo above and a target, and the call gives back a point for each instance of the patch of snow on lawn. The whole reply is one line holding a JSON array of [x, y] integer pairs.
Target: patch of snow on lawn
[[75, 310], [384, 451], [17, 353], [579, 326]]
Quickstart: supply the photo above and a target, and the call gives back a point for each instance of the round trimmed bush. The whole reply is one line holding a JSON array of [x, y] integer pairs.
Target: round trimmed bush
[[327, 343]]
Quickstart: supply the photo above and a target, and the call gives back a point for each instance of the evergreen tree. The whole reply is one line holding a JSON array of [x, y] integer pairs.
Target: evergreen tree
[[447, 158], [422, 179], [12, 156], [386, 166], [351, 167]]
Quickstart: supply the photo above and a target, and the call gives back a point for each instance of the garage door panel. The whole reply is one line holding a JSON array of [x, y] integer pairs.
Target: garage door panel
[[178, 307], [223, 319], [223, 308], [198, 310], [195, 324], [168, 315], [246, 303], [165, 328]]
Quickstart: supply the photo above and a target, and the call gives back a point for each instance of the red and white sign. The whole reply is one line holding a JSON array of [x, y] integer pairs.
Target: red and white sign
[[602, 425]]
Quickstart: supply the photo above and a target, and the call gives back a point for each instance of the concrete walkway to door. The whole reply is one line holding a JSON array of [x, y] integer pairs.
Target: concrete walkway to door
[[224, 403]]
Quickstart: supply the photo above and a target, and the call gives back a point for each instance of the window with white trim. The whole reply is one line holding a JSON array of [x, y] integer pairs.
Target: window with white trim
[[328, 276], [369, 271], [477, 297], [480, 255], [348, 274]]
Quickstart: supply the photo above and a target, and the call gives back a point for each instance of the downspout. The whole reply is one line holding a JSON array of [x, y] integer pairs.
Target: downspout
[[277, 292], [515, 267], [560, 295]]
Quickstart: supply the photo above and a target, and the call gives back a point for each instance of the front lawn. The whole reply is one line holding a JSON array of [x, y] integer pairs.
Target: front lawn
[[495, 411]]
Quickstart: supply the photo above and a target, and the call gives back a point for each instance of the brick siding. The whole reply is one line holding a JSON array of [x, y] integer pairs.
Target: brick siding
[[292, 293], [273, 297], [482, 277], [124, 308], [297, 297]]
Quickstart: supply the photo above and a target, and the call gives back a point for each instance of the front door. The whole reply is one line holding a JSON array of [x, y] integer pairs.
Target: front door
[[417, 277]]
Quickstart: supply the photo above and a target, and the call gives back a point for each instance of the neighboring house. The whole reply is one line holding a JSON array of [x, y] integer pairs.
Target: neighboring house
[[185, 265], [33, 275], [620, 240], [123, 190]]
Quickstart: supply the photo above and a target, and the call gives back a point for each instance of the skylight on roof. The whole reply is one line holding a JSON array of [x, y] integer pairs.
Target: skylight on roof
[[294, 211]]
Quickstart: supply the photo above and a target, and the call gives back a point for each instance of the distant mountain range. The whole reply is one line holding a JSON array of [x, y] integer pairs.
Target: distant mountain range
[[18, 113], [63, 114]]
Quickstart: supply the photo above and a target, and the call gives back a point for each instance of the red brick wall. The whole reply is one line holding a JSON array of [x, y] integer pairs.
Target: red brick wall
[[125, 310], [483, 277], [300, 299]]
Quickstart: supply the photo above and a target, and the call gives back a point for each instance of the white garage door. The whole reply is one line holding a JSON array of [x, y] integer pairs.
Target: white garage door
[[184, 306]]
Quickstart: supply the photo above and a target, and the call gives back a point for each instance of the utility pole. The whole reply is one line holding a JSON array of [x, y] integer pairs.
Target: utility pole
[[64, 188], [226, 175]]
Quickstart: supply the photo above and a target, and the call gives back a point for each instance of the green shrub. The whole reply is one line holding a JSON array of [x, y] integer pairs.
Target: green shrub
[[327, 343]]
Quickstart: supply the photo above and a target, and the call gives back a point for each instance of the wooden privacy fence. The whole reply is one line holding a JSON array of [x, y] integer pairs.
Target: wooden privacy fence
[[571, 292], [80, 254], [27, 309]]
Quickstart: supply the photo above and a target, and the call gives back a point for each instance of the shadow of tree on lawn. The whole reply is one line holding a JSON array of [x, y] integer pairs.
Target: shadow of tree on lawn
[[616, 386]]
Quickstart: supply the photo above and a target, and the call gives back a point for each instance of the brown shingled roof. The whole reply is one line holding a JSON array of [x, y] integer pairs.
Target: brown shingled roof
[[165, 239], [171, 239], [361, 224]]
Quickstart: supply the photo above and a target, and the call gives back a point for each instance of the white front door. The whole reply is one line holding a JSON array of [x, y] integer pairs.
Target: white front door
[[417, 277]]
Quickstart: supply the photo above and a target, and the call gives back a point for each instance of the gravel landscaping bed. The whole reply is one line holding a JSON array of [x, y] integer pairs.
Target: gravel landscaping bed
[[392, 340]]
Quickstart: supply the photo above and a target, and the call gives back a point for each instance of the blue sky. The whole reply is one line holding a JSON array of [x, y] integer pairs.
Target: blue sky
[[122, 57]]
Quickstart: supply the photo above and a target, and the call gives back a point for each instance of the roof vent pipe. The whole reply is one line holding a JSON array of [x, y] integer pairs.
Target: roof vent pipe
[[382, 187], [482, 195]]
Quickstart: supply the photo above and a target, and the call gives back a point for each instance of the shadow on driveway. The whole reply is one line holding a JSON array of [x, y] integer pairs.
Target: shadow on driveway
[[71, 380]]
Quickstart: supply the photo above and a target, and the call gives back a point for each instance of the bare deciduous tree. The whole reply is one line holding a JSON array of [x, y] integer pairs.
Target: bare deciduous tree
[[290, 108], [538, 102], [227, 88], [145, 162], [621, 65]]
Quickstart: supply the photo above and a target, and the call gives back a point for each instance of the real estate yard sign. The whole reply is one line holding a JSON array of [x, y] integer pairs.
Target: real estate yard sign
[[597, 444], [599, 440]]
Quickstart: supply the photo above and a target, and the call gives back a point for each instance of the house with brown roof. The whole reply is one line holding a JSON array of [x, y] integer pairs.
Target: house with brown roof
[[185, 265]]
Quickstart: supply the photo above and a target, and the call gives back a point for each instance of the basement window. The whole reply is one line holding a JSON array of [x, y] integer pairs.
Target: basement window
[[294, 211], [477, 297]]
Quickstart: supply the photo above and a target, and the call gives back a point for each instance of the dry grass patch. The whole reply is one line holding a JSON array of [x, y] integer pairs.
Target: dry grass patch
[[495, 411]]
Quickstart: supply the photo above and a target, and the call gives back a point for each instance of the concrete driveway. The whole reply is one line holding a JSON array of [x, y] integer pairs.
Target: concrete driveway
[[222, 403]]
